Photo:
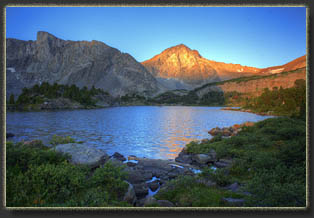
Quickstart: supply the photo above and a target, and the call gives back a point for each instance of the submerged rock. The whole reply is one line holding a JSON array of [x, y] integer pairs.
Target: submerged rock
[[83, 154]]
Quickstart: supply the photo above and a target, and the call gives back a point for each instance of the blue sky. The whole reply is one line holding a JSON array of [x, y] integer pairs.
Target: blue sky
[[251, 36]]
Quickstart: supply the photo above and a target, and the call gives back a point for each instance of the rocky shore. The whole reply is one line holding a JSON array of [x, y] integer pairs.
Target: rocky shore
[[268, 113], [147, 176]]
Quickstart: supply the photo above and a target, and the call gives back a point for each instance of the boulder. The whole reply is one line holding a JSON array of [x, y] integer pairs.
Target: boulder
[[154, 185], [131, 164], [222, 163], [130, 196], [146, 175], [184, 158], [149, 200], [141, 190], [135, 176], [165, 203], [119, 156], [226, 132], [201, 158], [132, 157], [83, 154], [9, 135], [205, 158], [215, 131], [234, 187]]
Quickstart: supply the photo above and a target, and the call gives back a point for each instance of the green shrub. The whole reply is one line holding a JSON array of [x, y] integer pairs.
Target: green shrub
[[37, 176], [56, 140]]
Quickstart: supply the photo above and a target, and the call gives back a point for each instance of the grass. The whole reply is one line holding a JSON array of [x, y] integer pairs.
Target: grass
[[268, 160]]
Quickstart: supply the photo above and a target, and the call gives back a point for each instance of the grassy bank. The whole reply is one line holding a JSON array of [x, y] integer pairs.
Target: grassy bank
[[269, 162], [39, 177]]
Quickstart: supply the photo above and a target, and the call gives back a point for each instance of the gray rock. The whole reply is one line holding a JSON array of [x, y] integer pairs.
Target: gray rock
[[135, 176], [131, 164], [165, 203], [83, 154], [222, 163], [184, 158], [201, 158], [153, 185], [130, 196], [119, 156], [141, 190], [233, 187], [149, 201]]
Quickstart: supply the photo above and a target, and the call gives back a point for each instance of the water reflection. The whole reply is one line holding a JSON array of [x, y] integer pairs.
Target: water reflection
[[144, 131]]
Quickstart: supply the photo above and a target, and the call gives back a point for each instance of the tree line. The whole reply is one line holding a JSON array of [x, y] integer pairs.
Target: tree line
[[37, 94]]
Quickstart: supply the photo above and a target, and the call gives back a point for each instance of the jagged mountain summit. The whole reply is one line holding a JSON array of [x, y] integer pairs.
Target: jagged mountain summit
[[187, 65], [82, 63]]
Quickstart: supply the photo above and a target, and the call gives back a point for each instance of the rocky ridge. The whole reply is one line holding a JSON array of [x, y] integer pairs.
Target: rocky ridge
[[81, 63], [182, 63]]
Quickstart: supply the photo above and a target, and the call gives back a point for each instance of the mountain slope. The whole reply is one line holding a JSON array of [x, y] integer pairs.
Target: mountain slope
[[182, 63], [292, 65], [254, 86], [188, 66], [74, 62]]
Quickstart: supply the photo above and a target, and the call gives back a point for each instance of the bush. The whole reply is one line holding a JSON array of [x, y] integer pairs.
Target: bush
[[37, 176]]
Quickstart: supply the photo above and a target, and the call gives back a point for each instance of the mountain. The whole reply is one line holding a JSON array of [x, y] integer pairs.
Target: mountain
[[255, 85], [81, 63], [292, 65], [188, 66], [190, 69]]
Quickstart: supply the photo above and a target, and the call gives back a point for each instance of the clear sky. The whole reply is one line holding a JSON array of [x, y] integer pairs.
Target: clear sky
[[251, 36]]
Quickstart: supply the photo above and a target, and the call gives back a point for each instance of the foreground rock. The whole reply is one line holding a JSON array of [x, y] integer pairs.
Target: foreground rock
[[83, 154]]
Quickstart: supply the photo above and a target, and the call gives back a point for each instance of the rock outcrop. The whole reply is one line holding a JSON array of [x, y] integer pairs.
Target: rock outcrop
[[81, 63], [83, 154], [188, 66]]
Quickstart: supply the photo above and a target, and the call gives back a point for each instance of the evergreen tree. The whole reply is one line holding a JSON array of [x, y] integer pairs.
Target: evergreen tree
[[11, 100]]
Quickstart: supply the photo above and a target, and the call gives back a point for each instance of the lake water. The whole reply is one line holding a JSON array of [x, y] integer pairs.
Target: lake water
[[144, 131]]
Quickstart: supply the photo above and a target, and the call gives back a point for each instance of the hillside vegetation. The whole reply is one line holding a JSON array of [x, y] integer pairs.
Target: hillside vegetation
[[35, 96]]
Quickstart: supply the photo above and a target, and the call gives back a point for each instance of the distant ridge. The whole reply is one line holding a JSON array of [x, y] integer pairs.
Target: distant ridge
[[187, 65]]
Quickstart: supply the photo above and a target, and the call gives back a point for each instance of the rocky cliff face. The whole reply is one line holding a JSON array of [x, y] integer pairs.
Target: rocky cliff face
[[74, 62], [182, 63]]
